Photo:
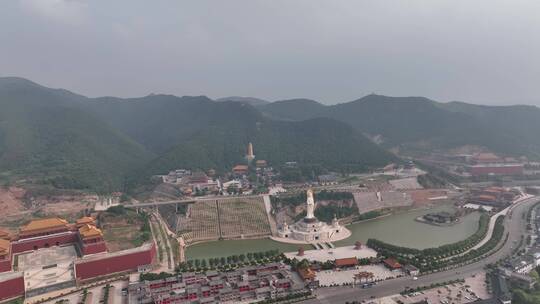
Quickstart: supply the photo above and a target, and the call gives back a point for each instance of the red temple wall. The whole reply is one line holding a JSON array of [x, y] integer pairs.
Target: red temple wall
[[112, 264], [507, 170], [5, 265], [93, 248], [24, 245], [11, 288]]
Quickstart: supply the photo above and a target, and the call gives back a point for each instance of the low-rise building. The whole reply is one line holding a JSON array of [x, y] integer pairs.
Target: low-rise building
[[346, 262], [309, 277], [524, 281], [522, 264], [261, 163], [392, 264], [245, 284], [411, 270], [327, 179], [240, 170]]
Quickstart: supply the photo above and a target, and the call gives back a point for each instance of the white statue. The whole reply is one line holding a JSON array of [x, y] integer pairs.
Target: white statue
[[310, 212], [285, 227], [335, 222]]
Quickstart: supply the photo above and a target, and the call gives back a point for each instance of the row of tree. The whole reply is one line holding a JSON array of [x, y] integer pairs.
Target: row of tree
[[232, 260]]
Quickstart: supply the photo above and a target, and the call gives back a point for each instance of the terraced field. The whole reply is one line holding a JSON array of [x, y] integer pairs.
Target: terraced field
[[203, 223], [225, 218], [243, 218]]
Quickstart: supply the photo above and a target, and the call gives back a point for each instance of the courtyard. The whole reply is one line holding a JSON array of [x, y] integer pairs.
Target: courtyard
[[323, 255], [46, 269], [343, 277]]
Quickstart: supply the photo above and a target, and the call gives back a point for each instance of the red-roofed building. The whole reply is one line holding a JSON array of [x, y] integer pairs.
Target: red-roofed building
[[392, 264], [261, 163], [240, 169], [346, 262], [486, 158]]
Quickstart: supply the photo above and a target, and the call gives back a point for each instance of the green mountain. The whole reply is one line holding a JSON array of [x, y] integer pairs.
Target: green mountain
[[294, 109], [46, 137], [418, 121], [196, 132], [325, 142], [57, 137]]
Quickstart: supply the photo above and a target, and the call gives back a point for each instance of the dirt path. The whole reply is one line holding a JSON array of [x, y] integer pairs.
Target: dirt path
[[166, 264], [168, 248], [271, 220]]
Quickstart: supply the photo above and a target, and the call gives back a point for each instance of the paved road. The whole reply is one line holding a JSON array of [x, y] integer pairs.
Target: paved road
[[514, 224], [192, 200]]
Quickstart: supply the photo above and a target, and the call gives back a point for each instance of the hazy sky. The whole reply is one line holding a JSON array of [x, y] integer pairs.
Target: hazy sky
[[481, 51]]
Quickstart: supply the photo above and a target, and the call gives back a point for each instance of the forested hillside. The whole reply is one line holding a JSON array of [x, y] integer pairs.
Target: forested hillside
[[323, 142], [66, 140], [46, 137], [423, 122]]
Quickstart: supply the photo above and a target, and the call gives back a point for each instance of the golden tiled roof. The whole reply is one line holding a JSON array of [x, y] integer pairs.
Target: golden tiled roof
[[44, 224], [87, 231], [4, 246], [240, 167], [4, 234], [85, 220]]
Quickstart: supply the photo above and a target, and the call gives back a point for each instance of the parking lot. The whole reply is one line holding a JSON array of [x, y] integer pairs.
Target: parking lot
[[96, 294], [473, 289]]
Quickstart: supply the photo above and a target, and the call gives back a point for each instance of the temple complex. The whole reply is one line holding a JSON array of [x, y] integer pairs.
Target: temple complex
[[53, 254], [310, 229]]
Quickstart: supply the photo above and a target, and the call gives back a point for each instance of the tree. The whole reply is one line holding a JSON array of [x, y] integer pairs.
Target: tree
[[304, 264]]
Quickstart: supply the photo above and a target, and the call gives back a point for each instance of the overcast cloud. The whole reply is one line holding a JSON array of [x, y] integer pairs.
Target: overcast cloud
[[484, 51]]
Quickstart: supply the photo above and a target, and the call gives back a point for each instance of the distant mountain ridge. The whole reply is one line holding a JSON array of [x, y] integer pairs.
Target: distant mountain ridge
[[70, 141], [247, 100], [421, 121]]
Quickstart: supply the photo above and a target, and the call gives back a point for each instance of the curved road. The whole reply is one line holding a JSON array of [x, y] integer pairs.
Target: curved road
[[514, 225]]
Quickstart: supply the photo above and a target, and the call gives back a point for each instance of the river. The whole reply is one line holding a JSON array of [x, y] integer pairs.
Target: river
[[398, 229]]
